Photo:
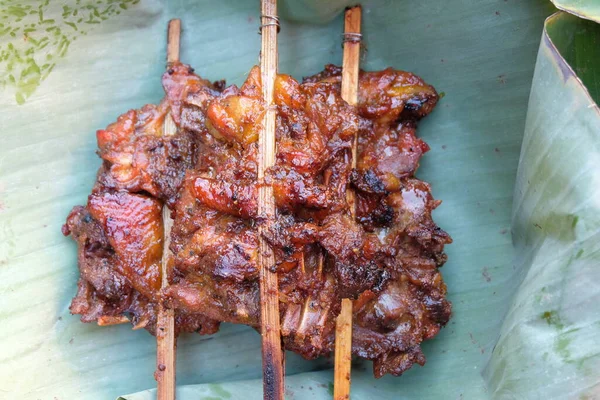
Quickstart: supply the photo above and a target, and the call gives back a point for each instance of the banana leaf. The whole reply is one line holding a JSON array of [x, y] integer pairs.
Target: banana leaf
[[550, 334], [588, 9], [68, 68]]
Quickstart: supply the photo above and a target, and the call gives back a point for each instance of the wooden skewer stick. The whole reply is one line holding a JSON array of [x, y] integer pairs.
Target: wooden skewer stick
[[173, 37], [165, 329], [272, 355], [343, 328], [326, 179]]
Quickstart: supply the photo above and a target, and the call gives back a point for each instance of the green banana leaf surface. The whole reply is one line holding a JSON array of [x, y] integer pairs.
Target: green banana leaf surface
[[524, 322], [550, 334]]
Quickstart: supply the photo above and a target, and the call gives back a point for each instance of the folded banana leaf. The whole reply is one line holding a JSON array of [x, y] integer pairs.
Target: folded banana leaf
[[68, 68], [550, 334], [588, 9]]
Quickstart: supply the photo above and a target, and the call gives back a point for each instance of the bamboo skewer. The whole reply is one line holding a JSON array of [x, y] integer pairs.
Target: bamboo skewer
[[173, 37], [165, 329], [326, 179], [272, 354], [343, 328]]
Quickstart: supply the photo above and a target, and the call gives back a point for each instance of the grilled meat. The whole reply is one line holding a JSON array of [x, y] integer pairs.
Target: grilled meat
[[386, 259]]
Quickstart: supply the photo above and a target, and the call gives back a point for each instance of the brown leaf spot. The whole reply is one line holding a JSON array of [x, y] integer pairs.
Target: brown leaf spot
[[486, 275]]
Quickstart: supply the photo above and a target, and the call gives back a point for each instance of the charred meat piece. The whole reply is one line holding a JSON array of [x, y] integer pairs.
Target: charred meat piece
[[388, 95], [104, 289], [386, 155], [133, 227]]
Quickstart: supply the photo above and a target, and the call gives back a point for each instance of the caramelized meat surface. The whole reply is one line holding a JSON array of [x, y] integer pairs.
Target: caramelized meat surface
[[386, 259]]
